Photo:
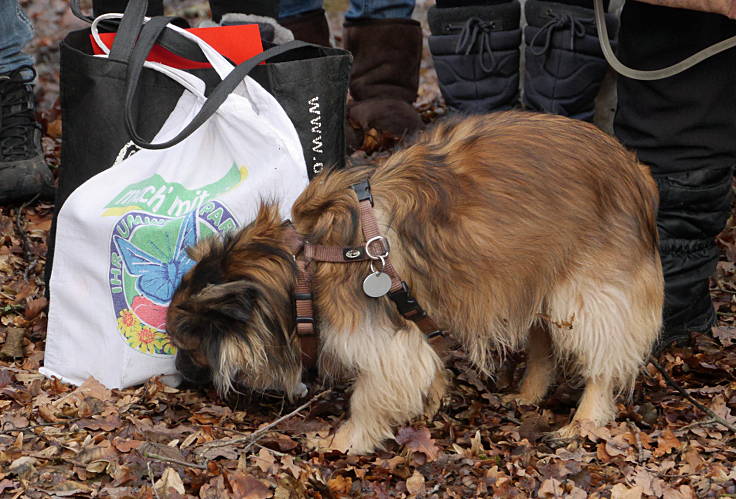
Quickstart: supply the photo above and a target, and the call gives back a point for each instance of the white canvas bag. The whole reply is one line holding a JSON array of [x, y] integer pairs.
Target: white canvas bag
[[121, 236]]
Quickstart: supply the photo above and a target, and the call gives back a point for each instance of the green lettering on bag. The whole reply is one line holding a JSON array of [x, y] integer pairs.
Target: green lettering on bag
[[157, 196]]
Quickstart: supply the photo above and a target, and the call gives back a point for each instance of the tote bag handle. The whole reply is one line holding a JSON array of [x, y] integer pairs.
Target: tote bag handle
[[128, 28], [195, 85], [148, 37]]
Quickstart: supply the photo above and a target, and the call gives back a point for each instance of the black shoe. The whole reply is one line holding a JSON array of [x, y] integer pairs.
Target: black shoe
[[23, 171]]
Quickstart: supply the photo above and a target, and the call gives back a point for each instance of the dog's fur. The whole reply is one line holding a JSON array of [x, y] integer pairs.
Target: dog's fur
[[512, 230]]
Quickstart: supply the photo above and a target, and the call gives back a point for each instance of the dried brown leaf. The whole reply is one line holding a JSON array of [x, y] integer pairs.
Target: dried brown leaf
[[418, 440], [170, 480], [621, 491], [13, 346], [725, 334], [415, 483], [340, 484], [35, 307], [551, 488], [7, 484], [247, 487], [109, 422], [617, 446], [265, 461], [666, 443]]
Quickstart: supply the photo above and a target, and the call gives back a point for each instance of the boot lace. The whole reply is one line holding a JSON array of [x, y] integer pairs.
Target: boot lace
[[17, 120], [576, 25], [478, 30]]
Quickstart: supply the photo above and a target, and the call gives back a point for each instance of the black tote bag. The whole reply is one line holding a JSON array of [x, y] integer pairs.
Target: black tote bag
[[309, 81]]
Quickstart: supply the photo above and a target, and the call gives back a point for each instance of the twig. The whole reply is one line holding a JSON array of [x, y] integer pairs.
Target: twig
[[150, 477], [29, 268], [716, 418], [25, 242], [269, 449], [721, 288], [637, 438], [30, 427], [256, 435], [165, 459], [705, 422]]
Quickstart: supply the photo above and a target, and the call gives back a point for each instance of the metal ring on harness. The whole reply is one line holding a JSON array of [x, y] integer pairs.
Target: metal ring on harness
[[371, 241]]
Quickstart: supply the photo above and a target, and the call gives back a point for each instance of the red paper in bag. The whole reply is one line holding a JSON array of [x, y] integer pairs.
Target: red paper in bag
[[237, 43]]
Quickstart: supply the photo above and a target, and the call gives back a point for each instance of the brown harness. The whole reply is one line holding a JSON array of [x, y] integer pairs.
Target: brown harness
[[375, 249]]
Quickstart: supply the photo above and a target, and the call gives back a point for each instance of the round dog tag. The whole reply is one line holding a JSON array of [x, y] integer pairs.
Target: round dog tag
[[377, 284]]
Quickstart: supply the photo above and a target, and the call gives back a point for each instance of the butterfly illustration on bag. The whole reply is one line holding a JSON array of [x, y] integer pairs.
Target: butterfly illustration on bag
[[157, 280]]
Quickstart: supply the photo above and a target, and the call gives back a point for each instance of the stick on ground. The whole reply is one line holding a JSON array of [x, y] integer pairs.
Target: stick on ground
[[256, 435], [716, 418]]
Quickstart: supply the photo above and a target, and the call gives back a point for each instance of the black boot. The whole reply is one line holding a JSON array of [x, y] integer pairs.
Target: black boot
[[694, 207], [23, 171], [476, 55], [564, 65]]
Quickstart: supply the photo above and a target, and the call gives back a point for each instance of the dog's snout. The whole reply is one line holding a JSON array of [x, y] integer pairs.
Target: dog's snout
[[190, 370]]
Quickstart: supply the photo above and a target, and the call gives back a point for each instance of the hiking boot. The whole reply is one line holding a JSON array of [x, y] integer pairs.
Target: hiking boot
[[23, 171]]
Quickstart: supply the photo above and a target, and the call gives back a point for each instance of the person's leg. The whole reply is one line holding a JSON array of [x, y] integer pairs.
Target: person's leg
[[387, 48], [15, 33], [306, 20], [380, 9], [684, 128], [99, 7], [265, 8], [295, 7], [23, 172]]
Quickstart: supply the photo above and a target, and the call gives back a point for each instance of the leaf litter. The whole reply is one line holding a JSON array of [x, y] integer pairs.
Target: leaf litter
[[155, 441]]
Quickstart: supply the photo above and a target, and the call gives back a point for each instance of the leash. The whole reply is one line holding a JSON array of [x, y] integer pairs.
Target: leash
[[657, 74], [383, 281]]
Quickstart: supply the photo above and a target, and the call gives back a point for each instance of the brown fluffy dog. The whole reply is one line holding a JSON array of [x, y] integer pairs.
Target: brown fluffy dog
[[512, 230]]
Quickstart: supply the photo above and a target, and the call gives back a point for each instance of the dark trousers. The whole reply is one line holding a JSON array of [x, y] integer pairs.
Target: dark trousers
[[269, 8], [684, 128]]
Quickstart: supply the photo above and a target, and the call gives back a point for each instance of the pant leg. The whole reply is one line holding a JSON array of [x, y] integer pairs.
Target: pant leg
[[155, 7], [684, 128], [266, 8], [380, 9], [289, 8], [15, 33]]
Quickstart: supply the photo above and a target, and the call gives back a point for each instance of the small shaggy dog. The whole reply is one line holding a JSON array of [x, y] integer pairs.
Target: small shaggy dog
[[512, 230]]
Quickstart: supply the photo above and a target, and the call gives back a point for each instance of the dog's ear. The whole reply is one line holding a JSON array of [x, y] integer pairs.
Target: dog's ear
[[232, 299], [268, 215], [203, 248]]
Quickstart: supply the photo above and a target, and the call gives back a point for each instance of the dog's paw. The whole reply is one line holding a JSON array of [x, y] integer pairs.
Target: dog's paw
[[434, 399], [564, 436], [347, 441], [519, 399]]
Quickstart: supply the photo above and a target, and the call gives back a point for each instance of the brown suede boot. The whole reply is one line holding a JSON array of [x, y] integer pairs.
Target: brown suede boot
[[385, 76], [309, 27]]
